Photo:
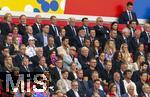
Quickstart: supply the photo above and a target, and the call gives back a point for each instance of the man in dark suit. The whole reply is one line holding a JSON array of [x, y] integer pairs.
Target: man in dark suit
[[4, 53], [22, 25], [42, 67], [96, 85], [145, 35], [35, 59], [100, 63], [128, 15], [83, 57], [79, 40], [92, 35], [136, 41], [54, 29], [49, 48], [7, 25], [73, 92], [83, 84], [102, 32], [25, 67], [37, 26], [145, 89], [8, 43], [119, 84], [85, 26], [56, 71], [19, 56], [125, 38], [58, 39], [71, 30], [29, 33], [42, 38], [132, 26], [141, 82], [91, 68]]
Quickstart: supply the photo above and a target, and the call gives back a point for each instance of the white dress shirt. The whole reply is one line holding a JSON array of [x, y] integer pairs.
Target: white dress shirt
[[30, 51], [130, 83]]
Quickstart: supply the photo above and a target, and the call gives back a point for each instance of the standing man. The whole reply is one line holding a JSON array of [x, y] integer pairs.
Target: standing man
[[128, 15]]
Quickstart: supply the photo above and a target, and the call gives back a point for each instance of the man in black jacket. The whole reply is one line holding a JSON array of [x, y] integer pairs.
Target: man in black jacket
[[128, 15], [73, 92]]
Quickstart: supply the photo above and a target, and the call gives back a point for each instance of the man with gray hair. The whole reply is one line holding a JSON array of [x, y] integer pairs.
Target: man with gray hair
[[125, 38], [84, 57], [73, 92], [71, 29], [146, 91], [130, 93]]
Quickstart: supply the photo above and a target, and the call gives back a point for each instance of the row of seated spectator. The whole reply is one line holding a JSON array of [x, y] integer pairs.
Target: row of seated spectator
[[77, 61]]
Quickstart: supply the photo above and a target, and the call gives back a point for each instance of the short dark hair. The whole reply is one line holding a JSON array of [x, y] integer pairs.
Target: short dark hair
[[129, 3], [143, 63], [22, 16], [4, 47], [45, 25], [65, 38], [130, 22], [96, 80], [85, 18], [64, 71], [52, 17], [126, 71], [91, 29]]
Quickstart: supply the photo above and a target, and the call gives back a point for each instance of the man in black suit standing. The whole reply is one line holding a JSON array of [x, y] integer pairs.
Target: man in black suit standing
[[54, 29], [22, 25], [73, 92], [79, 42], [102, 32], [85, 26], [29, 33], [71, 30], [37, 26], [128, 15], [58, 39]]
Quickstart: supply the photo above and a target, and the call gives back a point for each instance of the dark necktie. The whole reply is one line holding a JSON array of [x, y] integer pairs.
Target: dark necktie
[[10, 27], [74, 31], [56, 31], [87, 31], [130, 16]]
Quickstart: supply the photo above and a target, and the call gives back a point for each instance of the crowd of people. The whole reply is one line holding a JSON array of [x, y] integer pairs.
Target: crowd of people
[[81, 61]]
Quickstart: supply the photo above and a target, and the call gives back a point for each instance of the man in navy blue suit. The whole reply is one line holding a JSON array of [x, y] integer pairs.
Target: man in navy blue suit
[[97, 84], [128, 15]]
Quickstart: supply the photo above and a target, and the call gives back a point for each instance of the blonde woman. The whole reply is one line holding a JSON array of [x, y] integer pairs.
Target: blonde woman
[[109, 49], [8, 64], [125, 56], [6, 26]]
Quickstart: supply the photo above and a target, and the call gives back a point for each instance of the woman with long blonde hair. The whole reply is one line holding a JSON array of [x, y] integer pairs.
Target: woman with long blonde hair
[[109, 49], [126, 56], [8, 64]]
